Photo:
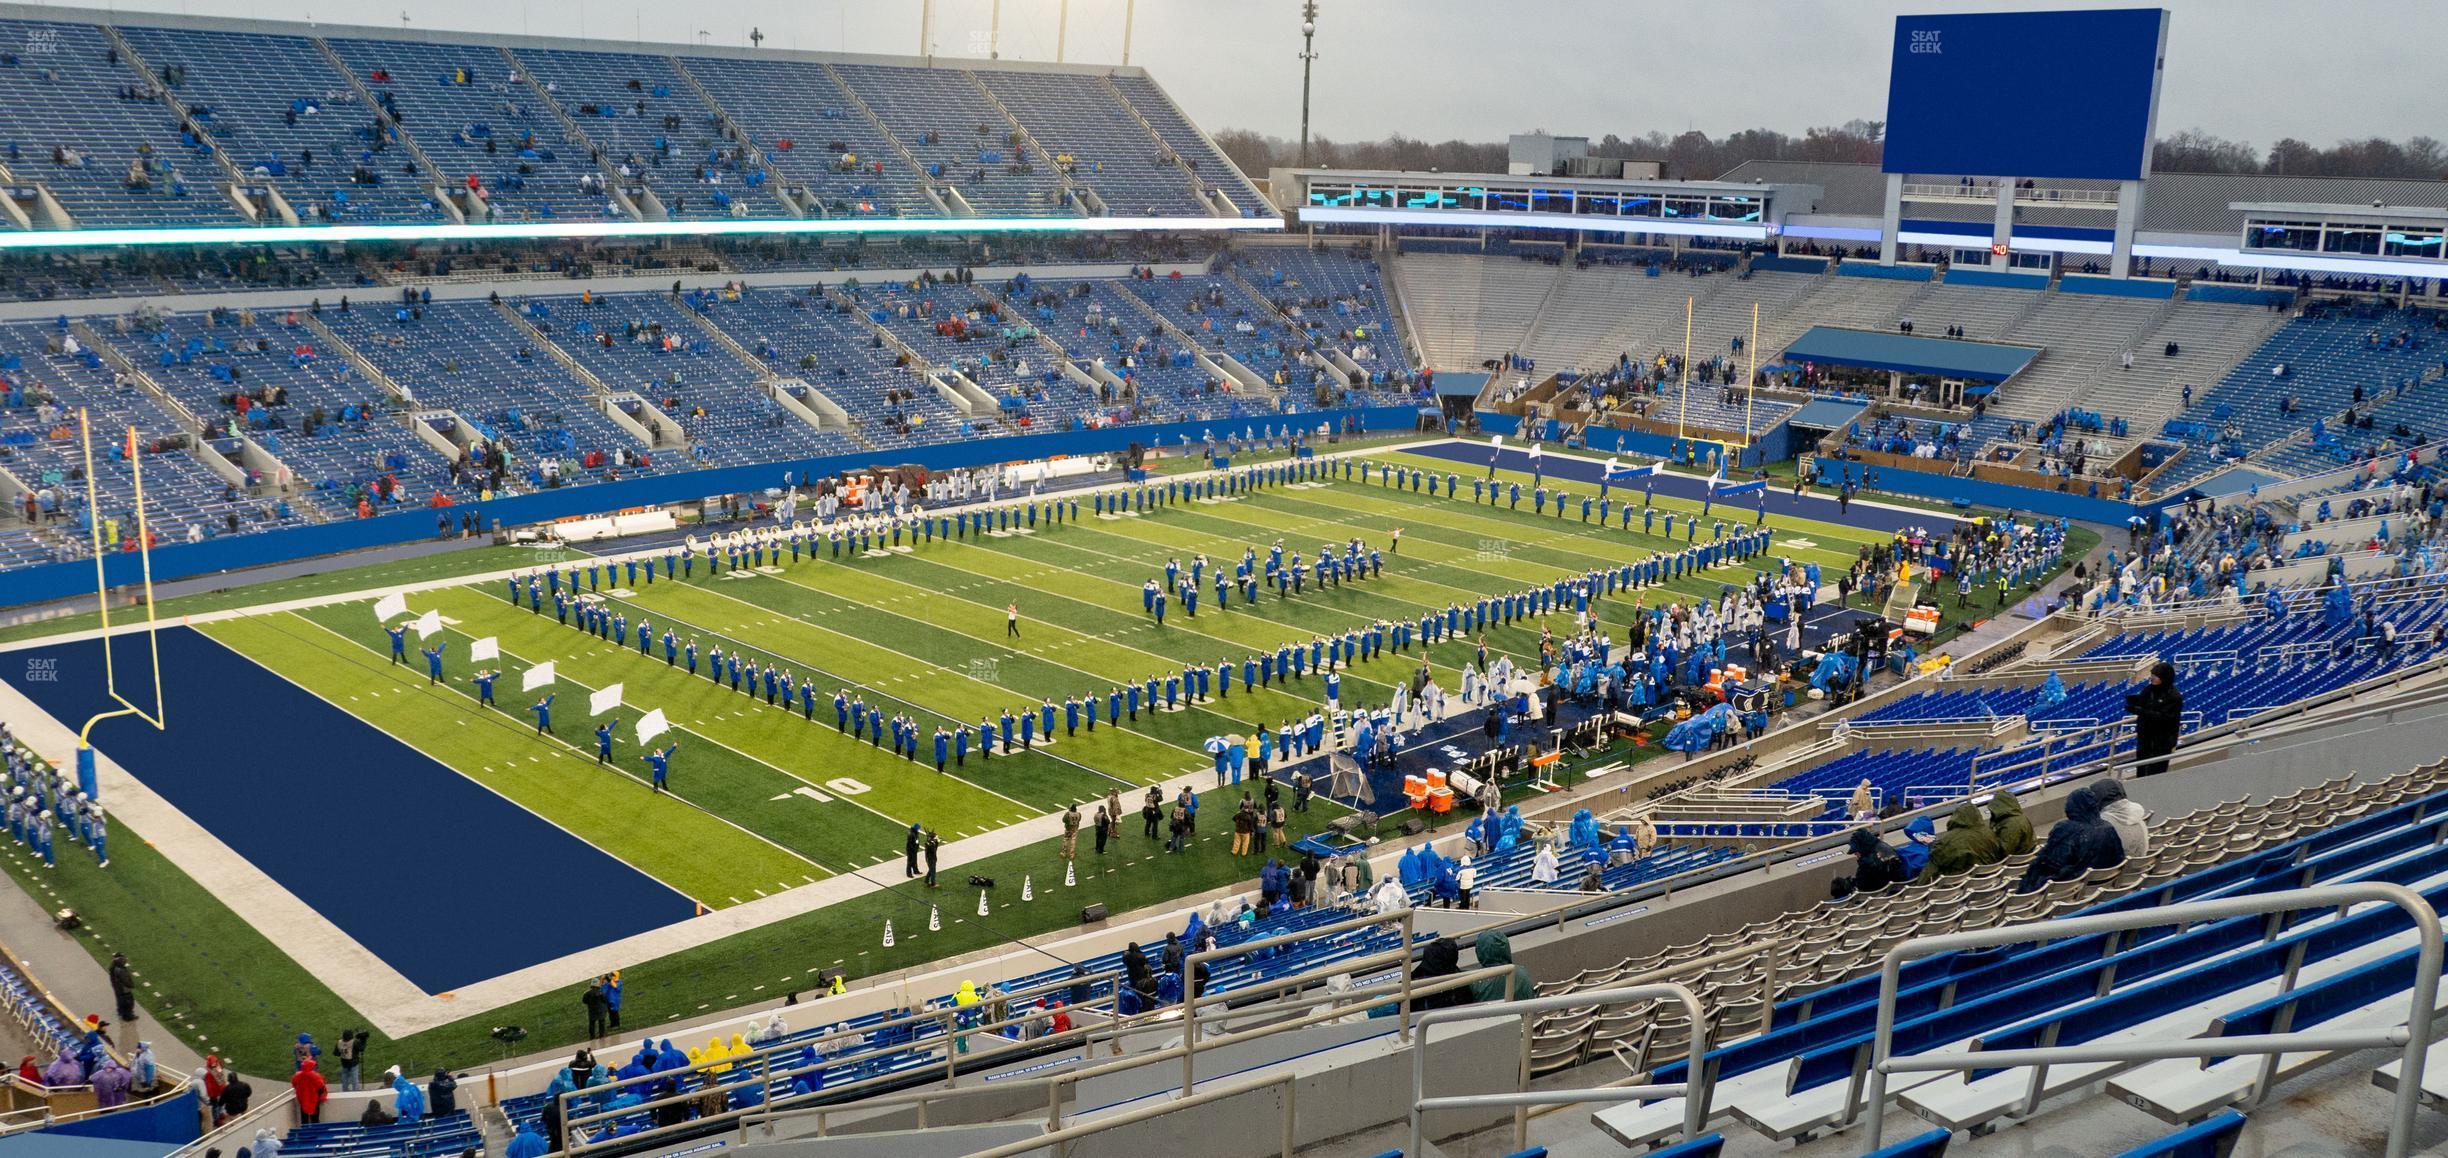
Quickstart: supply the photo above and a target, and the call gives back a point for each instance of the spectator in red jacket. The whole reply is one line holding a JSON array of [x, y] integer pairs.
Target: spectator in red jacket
[[310, 1091]]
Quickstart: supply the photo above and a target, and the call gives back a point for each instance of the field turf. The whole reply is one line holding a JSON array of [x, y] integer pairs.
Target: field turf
[[763, 800]]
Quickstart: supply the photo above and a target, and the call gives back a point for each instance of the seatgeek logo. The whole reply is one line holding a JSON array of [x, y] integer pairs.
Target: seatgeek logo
[[1924, 42]]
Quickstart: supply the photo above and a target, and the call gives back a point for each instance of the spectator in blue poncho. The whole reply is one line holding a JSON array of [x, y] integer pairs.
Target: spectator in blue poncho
[[2052, 693], [1585, 830], [411, 1104], [1408, 868], [1918, 836], [528, 1143], [1512, 827]]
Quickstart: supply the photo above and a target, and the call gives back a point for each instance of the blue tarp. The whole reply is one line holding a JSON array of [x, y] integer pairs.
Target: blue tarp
[[1700, 731], [1834, 668], [1827, 414], [1945, 357]]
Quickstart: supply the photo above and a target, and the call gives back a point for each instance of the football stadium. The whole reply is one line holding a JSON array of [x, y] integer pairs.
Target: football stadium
[[643, 590]]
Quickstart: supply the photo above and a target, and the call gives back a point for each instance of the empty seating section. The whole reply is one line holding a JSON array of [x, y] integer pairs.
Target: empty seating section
[[39, 445], [1207, 164], [285, 117], [1468, 309], [638, 110], [1725, 314], [63, 101], [358, 436], [2082, 339], [2325, 358], [1969, 704], [2210, 338], [468, 357], [1984, 312], [1893, 773], [1711, 407], [2325, 969], [803, 335], [1073, 117], [2255, 636], [1861, 303], [489, 135], [648, 344], [811, 134], [973, 147]]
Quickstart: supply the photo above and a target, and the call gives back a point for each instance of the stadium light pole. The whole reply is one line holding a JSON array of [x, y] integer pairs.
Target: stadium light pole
[[1308, 61]]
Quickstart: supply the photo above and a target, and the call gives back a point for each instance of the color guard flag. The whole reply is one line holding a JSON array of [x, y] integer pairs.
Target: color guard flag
[[537, 676], [487, 648], [651, 725], [428, 623], [389, 606], [605, 699]]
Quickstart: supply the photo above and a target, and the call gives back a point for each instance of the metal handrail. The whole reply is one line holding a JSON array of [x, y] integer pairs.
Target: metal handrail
[[1191, 995], [1523, 1099], [1403, 988], [1352, 1003], [2414, 1038], [915, 1020]]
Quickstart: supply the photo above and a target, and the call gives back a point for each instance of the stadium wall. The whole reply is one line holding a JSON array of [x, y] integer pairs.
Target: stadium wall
[[1772, 446], [1777, 444], [171, 1121], [2116, 287], [68, 580], [1999, 279]]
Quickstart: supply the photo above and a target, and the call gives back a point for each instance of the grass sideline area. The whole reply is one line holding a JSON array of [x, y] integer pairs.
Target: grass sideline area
[[447, 565], [913, 629]]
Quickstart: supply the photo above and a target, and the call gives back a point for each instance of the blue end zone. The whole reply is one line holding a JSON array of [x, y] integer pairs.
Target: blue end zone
[[1472, 461], [376, 836]]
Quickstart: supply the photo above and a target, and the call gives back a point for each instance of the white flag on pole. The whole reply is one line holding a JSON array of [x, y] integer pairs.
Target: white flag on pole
[[651, 725], [537, 676], [605, 699], [390, 606], [487, 648], [428, 623]]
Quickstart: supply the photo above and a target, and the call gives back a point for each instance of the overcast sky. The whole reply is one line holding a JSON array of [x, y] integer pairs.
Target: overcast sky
[[2254, 70]]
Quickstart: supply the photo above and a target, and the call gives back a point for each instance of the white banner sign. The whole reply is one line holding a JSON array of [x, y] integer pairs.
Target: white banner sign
[[651, 725], [487, 648], [390, 606], [537, 676], [605, 699]]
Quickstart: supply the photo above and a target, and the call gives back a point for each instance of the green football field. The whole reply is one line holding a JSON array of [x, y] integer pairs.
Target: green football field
[[764, 801], [925, 632]]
